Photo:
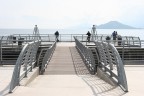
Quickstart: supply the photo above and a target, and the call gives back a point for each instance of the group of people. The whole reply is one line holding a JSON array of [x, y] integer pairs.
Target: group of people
[[115, 37], [89, 34], [93, 33]]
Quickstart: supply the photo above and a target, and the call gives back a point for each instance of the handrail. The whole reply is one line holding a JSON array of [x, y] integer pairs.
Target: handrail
[[110, 63], [47, 57], [127, 40], [67, 37], [87, 56], [26, 59], [16, 43]]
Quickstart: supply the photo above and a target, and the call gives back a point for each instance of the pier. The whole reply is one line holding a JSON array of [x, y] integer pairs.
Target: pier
[[65, 69]]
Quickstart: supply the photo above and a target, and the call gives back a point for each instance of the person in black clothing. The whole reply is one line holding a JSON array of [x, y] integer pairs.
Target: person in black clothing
[[119, 40], [114, 35], [89, 35], [108, 39], [57, 35]]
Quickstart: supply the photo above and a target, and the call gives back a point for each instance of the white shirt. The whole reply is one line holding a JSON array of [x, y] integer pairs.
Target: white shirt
[[36, 31], [94, 29]]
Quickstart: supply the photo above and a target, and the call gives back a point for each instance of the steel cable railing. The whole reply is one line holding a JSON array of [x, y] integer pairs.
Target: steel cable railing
[[24, 64]]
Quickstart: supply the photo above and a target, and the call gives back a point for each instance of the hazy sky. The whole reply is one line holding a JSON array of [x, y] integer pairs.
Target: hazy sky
[[69, 13]]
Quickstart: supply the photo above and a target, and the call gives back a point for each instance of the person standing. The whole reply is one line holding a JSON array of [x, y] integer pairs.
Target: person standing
[[93, 32], [36, 33], [88, 36], [114, 35], [57, 35]]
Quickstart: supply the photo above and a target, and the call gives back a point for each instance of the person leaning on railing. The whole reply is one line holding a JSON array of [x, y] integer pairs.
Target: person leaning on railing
[[108, 39], [57, 35], [88, 36]]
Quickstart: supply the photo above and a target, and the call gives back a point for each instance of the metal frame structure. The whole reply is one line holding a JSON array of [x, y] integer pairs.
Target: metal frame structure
[[10, 48], [87, 56], [24, 64], [111, 64], [45, 56], [109, 61]]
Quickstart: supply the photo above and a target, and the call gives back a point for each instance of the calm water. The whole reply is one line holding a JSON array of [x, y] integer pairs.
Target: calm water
[[123, 32]]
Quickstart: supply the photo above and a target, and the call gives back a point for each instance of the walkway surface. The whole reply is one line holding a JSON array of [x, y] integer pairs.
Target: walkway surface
[[5, 77], [66, 75]]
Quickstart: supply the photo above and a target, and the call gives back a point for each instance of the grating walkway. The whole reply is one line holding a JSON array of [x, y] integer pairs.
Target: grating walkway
[[61, 62], [66, 75]]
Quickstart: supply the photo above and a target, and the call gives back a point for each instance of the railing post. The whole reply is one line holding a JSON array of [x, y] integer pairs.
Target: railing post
[[123, 52], [71, 37], [1, 52], [1, 49]]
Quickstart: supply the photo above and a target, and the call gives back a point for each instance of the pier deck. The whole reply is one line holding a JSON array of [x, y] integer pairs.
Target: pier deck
[[66, 75]]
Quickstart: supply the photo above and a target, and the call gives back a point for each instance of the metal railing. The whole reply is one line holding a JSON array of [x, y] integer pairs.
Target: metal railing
[[24, 64], [69, 37], [46, 58], [10, 49], [109, 61], [131, 49], [11, 46], [49, 37], [127, 41], [130, 54], [87, 56]]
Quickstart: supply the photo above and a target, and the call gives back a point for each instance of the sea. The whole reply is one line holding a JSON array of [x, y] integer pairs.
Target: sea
[[123, 32]]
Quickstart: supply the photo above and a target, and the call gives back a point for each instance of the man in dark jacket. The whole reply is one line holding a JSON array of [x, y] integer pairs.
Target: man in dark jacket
[[89, 35], [57, 35]]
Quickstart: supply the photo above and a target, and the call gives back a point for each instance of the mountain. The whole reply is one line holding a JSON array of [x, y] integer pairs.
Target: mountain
[[114, 25]]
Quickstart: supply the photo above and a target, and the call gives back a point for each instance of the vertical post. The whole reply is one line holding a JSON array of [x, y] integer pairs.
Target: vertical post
[[71, 37], [60, 37], [123, 51], [1, 48]]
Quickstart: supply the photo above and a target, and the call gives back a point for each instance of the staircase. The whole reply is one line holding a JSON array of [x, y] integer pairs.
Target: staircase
[[66, 75]]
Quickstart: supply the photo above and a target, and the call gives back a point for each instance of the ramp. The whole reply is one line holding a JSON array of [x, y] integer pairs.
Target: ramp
[[61, 62], [66, 75]]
